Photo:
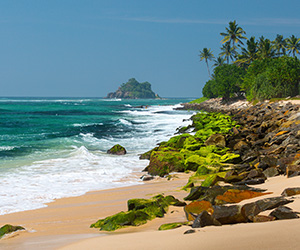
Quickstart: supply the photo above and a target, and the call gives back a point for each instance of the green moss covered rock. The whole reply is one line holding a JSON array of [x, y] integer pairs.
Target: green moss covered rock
[[169, 226], [117, 150], [139, 212], [165, 161], [206, 149], [6, 229]]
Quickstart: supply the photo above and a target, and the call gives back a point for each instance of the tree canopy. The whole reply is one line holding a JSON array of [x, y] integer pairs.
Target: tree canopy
[[260, 69]]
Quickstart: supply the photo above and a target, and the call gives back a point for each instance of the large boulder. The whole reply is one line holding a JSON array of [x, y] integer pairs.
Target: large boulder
[[117, 150], [284, 213], [235, 196], [195, 208], [250, 210], [229, 214], [163, 162], [205, 219]]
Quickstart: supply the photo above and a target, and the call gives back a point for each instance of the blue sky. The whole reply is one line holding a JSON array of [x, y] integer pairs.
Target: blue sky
[[88, 48]]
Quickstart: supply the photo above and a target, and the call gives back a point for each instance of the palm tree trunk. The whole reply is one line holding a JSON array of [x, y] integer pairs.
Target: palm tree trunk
[[208, 69]]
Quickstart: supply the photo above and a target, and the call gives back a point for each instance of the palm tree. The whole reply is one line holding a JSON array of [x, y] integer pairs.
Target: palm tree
[[234, 34], [228, 52], [249, 54], [265, 48], [207, 55], [219, 61], [293, 45], [279, 45]]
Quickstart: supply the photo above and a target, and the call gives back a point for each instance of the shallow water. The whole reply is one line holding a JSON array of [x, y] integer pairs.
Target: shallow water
[[54, 148]]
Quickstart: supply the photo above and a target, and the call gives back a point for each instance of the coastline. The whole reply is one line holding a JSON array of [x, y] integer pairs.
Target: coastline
[[68, 219], [65, 222], [281, 234]]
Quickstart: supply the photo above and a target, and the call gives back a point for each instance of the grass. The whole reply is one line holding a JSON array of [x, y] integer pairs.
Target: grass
[[199, 100]]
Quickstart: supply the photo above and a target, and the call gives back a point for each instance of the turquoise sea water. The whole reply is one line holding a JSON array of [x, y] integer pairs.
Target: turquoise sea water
[[56, 147]]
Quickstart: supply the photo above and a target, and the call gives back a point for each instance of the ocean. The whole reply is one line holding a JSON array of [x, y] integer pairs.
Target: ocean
[[52, 148]]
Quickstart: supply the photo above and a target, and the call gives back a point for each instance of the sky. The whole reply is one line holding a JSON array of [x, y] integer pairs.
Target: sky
[[87, 48]]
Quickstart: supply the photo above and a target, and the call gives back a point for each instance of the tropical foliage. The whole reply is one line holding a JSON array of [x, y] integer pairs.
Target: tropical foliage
[[206, 55], [137, 89], [259, 68]]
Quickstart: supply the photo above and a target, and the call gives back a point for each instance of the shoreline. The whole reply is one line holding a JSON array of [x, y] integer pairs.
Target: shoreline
[[65, 222], [66, 219]]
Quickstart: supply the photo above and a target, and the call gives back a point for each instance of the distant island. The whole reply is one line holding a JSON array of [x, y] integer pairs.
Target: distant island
[[134, 90]]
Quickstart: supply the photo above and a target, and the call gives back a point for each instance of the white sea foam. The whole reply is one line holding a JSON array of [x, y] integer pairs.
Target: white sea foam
[[125, 122], [86, 124], [6, 148], [87, 167], [112, 100], [34, 185]]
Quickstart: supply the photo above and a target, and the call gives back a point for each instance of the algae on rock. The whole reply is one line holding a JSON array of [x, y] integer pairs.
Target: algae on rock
[[6, 229], [139, 212]]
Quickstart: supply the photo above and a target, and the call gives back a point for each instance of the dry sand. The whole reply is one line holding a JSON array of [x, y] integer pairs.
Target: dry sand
[[65, 223]]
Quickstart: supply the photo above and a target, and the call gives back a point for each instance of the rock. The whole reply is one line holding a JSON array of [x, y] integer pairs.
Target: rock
[[235, 196], [205, 219], [211, 180], [251, 182], [241, 146], [229, 214], [147, 177], [195, 208], [254, 174], [171, 200], [119, 220], [169, 226], [163, 162], [271, 172], [252, 209], [291, 191], [217, 140], [133, 90], [263, 218], [190, 231], [283, 213], [146, 156], [234, 178], [195, 193], [267, 162], [292, 170], [117, 150], [139, 212], [6, 229]]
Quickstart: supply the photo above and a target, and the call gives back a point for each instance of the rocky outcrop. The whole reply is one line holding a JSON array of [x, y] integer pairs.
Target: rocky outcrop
[[133, 90], [139, 212], [117, 150], [203, 213]]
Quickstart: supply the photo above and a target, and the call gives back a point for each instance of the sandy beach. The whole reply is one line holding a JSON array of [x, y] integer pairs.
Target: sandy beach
[[64, 224]]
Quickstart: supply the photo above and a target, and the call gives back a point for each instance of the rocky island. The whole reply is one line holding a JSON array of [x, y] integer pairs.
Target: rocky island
[[134, 90]]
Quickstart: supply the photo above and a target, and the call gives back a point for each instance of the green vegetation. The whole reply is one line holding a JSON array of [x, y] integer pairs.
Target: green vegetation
[[139, 212], [6, 229], [199, 100], [203, 151], [260, 69], [206, 55], [133, 90], [169, 226], [272, 78]]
